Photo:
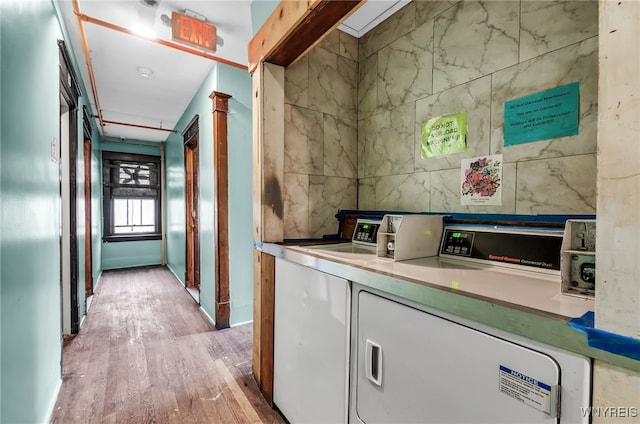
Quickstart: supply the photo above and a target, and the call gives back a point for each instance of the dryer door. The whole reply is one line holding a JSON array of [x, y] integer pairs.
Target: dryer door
[[413, 367]]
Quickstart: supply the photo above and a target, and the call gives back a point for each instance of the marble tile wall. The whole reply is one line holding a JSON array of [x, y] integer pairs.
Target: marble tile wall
[[321, 137], [441, 57], [354, 109]]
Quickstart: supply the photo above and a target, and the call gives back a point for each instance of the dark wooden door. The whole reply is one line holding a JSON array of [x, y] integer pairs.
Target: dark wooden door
[[88, 261], [191, 161]]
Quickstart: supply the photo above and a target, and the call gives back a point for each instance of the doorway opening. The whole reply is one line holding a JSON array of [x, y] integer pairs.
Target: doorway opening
[[69, 93], [88, 255], [191, 162]]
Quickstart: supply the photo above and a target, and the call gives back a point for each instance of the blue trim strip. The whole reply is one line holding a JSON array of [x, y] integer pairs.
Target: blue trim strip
[[477, 216], [605, 340]]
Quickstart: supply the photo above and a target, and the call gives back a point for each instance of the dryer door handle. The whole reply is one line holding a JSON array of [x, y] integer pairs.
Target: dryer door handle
[[373, 362]]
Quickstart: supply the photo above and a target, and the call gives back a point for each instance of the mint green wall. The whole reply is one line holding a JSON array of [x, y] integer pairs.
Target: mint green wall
[[260, 11], [96, 188], [30, 211], [30, 336], [128, 254], [175, 203], [96, 209], [174, 165], [237, 83]]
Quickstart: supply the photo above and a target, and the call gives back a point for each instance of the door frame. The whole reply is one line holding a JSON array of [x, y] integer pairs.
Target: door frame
[[69, 94], [192, 205], [88, 252], [88, 272]]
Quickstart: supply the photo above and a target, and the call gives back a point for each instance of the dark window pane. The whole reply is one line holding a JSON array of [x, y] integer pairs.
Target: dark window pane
[[131, 195]]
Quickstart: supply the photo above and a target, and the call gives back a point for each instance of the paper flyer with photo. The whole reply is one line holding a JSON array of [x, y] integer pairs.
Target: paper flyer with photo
[[481, 181]]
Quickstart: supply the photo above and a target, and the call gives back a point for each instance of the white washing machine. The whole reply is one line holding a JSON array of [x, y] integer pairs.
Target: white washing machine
[[417, 365], [311, 344]]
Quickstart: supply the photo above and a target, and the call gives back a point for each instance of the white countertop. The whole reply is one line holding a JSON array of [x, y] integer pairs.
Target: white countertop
[[529, 291]]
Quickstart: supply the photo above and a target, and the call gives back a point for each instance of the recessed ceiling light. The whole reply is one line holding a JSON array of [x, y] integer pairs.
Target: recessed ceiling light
[[143, 31], [145, 72]]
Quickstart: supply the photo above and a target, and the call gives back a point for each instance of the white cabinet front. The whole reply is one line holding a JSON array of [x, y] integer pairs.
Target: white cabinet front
[[311, 333], [414, 367]]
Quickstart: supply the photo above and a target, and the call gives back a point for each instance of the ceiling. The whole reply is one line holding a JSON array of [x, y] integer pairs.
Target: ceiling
[[143, 87]]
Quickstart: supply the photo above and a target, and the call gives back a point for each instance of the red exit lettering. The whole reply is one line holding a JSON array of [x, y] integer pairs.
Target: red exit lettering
[[193, 31]]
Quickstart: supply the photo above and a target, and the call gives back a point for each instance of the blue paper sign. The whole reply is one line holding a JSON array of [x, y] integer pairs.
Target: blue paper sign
[[548, 114]]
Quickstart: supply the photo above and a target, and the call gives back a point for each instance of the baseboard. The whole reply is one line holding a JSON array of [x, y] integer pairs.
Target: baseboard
[[114, 265], [175, 275], [97, 281], [241, 323], [211, 320], [52, 404]]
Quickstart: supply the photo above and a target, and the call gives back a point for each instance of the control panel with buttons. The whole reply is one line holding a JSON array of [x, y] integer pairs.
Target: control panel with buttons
[[366, 232], [457, 242]]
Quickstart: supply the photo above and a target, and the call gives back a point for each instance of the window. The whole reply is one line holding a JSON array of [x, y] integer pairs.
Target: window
[[131, 190]]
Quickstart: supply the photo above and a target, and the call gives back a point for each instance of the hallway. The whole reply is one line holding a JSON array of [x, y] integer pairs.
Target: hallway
[[147, 354]]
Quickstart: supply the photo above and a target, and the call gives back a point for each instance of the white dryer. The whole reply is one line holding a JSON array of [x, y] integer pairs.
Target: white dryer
[[412, 364]]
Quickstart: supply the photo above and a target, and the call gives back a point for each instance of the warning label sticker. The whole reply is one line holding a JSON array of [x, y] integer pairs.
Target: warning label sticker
[[528, 390]]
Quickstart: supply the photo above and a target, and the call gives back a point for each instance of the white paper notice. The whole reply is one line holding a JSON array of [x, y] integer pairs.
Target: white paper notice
[[532, 392], [481, 180]]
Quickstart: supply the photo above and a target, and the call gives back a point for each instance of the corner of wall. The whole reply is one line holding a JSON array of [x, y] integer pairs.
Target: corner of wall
[[170, 268]]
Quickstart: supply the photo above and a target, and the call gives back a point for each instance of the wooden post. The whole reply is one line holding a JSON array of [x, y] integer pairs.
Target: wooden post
[[268, 209], [88, 255], [264, 286], [292, 29], [221, 208]]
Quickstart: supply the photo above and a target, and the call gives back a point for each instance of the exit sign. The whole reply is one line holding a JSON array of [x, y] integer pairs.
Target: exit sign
[[193, 31]]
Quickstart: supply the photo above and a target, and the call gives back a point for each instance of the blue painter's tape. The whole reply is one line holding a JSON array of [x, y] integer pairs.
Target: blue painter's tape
[[580, 323], [257, 245], [605, 340]]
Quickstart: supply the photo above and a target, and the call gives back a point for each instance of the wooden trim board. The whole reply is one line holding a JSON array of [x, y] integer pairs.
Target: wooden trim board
[[294, 27], [221, 209]]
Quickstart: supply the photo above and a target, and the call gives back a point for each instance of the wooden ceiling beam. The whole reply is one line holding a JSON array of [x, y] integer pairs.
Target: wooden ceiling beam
[[296, 26]]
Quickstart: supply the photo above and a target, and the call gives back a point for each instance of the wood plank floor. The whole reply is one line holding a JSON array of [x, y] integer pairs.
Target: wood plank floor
[[147, 354]]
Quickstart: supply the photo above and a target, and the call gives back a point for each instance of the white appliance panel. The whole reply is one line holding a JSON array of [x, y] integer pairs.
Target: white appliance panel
[[311, 339], [425, 359]]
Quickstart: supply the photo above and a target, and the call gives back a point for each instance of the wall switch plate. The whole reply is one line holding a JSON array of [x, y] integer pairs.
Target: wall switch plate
[[54, 150]]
